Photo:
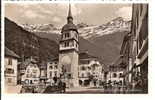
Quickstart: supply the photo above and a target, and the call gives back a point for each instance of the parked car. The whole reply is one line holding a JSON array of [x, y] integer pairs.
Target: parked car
[[60, 88]]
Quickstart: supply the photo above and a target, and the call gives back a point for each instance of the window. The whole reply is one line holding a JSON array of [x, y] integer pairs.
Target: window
[[66, 44], [28, 75], [141, 9], [120, 75], [82, 75], [67, 35], [76, 45], [69, 76], [9, 80], [51, 67], [83, 68], [137, 20], [10, 61], [114, 75], [55, 73], [9, 71], [72, 44], [28, 70], [50, 74], [34, 71], [34, 76], [56, 67], [88, 74], [120, 82], [76, 36]]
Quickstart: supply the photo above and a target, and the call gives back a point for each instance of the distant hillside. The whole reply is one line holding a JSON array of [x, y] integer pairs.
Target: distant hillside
[[26, 44], [106, 47], [103, 41]]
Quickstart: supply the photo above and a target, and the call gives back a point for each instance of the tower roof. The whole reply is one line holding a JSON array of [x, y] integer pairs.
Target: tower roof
[[70, 25]]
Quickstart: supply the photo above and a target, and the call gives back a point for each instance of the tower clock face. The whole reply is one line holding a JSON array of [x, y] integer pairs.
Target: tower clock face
[[66, 60], [66, 63]]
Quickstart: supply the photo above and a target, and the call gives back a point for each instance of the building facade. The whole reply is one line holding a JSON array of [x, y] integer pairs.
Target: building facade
[[139, 31], [126, 53], [115, 75], [11, 64], [52, 71], [31, 75], [135, 49], [68, 51], [43, 72], [90, 70]]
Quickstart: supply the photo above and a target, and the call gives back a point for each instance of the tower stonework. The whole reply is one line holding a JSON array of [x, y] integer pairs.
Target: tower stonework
[[69, 51]]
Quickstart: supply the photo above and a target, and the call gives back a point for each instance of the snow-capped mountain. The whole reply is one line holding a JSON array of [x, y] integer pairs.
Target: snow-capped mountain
[[116, 25], [44, 28], [85, 31], [103, 41]]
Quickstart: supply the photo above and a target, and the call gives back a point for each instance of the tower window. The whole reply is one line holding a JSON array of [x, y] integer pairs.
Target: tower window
[[71, 44], [76, 45], [76, 36], [66, 44], [67, 35]]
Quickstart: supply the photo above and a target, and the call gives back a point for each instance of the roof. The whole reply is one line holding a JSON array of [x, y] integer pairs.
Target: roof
[[9, 52], [85, 55], [69, 26], [125, 39], [55, 59], [118, 60]]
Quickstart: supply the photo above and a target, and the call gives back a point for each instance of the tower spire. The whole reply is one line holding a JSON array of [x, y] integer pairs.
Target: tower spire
[[69, 18], [69, 12]]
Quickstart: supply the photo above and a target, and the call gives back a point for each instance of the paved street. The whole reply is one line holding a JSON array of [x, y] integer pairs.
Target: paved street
[[95, 90], [85, 90]]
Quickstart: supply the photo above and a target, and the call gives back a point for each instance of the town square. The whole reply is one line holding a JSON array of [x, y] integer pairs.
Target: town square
[[86, 57]]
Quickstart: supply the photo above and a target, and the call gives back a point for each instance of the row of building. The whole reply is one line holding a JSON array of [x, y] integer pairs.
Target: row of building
[[75, 68], [90, 70], [133, 60]]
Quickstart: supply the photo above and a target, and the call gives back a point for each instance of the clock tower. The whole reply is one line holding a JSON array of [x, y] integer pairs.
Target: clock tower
[[69, 52]]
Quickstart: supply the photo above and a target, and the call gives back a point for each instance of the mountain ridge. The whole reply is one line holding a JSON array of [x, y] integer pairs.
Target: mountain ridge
[[104, 46]]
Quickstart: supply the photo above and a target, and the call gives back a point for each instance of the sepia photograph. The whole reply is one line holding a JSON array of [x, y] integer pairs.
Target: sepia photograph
[[76, 48]]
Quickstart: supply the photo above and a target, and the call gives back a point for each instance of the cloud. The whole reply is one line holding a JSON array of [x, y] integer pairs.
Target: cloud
[[30, 14], [75, 10], [56, 13], [125, 12], [56, 20]]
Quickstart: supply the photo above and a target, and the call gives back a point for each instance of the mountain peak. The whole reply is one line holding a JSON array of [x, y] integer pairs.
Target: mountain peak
[[39, 27], [82, 25], [118, 19]]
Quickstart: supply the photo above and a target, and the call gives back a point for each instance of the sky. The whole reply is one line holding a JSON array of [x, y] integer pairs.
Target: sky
[[56, 13]]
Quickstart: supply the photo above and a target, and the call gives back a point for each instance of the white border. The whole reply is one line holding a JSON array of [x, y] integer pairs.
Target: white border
[[88, 96], [79, 1]]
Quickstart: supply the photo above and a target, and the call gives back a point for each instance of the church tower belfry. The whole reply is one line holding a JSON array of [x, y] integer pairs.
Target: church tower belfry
[[68, 51]]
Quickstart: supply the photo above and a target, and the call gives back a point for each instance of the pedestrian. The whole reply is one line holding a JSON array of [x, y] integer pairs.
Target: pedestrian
[[64, 87]]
